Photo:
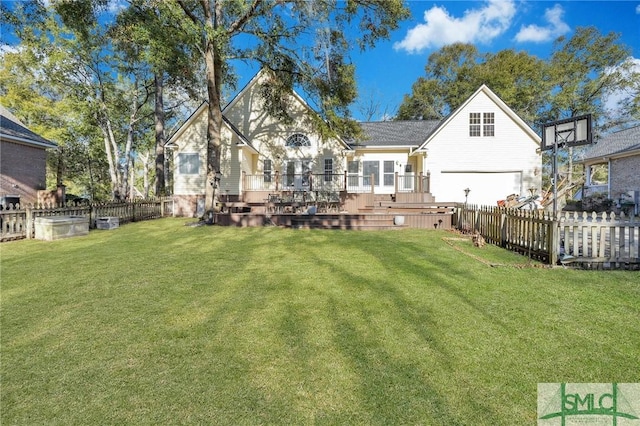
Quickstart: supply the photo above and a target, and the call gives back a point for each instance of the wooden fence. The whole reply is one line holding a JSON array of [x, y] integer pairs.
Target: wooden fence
[[589, 240], [17, 223]]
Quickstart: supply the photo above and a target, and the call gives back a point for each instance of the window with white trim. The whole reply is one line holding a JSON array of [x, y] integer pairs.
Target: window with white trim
[[474, 124], [297, 140], [488, 124], [388, 173], [353, 168], [482, 124], [328, 169], [188, 164], [267, 169], [371, 173]]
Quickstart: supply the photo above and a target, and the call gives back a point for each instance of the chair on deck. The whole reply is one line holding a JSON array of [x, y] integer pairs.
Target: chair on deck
[[273, 204], [322, 201], [333, 202]]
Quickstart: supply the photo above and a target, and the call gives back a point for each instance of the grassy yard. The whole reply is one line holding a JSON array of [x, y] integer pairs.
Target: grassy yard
[[161, 323]]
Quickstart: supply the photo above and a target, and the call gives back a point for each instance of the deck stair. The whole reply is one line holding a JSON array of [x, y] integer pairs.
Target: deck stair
[[390, 205], [344, 221], [379, 212]]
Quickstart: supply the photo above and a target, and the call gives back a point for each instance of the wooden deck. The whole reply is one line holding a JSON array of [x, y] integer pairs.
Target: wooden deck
[[368, 221], [350, 211]]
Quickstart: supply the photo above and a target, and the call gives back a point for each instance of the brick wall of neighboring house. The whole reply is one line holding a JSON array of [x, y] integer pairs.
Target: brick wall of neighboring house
[[22, 171], [624, 175]]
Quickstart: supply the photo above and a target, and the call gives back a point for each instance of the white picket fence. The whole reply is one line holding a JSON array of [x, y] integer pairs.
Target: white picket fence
[[606, 238], [590, 240]]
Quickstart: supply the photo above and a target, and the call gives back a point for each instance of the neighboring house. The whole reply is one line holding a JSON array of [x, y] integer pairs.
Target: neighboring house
[[483, 146], [612, 166], [23, 160]]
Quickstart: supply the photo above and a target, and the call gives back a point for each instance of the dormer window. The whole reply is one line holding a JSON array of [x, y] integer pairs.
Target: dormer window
[[297, 140]]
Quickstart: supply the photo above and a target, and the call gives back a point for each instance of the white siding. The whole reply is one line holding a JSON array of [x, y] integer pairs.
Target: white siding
[[268, 134], [192, 140], [454, 155], [484, 186]]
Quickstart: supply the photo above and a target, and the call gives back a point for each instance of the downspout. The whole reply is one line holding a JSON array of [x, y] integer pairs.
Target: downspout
[[609, 178]]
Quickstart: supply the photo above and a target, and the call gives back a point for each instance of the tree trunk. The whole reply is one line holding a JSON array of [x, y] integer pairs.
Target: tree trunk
[[160, 183], [128, 163], [146, 169], [111, 159], [132, 180], [214, 124], [60, 166]]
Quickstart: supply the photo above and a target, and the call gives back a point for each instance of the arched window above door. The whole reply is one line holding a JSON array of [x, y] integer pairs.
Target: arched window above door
[[298, 139]]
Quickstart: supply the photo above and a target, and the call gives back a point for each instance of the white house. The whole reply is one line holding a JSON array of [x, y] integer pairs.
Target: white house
[[486, 147], [483, 146]]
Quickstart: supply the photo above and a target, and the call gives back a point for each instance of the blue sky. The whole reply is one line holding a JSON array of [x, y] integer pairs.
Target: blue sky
[[386, 73], [389, 70]]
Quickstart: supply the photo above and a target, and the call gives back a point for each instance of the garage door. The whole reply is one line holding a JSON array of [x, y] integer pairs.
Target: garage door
[[486, 188]]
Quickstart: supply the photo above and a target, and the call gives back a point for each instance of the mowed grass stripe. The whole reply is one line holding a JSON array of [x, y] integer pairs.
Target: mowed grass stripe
[[157, 322]]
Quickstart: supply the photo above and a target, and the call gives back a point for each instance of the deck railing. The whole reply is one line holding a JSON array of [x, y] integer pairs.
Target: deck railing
[[348, 182]]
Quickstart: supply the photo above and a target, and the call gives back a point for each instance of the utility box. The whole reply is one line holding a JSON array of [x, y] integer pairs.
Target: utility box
[[107, 222], [56, 227]]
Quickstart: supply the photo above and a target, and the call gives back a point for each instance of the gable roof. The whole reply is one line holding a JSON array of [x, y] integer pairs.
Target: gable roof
[[497, 101], [616, 144], [13, 130], [256, 79], [410, 133], [201, 109]]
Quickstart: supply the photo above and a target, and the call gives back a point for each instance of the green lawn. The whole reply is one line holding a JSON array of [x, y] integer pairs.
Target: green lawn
[[161, 323]]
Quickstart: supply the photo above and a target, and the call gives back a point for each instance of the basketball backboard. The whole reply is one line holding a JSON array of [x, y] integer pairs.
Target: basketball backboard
[[572, 131]]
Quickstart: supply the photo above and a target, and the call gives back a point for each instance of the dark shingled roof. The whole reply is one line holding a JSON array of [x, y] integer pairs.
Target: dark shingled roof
[[396, 133], [616, 143], [12, 128]]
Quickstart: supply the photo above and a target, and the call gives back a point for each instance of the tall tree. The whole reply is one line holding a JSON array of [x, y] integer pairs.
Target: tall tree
[[456, 71], [519, 79], [302, 43], [31, 86], [447, 83], [80, 64], [580, 72], [582, 69], [140, 31]]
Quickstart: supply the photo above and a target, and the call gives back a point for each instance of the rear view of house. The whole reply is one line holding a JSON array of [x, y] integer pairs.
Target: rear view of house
[[482, 147], [23, 160]]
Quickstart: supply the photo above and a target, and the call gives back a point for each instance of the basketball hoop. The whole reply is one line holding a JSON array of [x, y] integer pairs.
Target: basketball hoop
[[568, 132]]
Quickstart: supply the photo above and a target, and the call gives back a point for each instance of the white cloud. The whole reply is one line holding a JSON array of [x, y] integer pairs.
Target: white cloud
[[630, 70], [638, 9], [115, 6], [481, 25], [6, 48], [555, 27]]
